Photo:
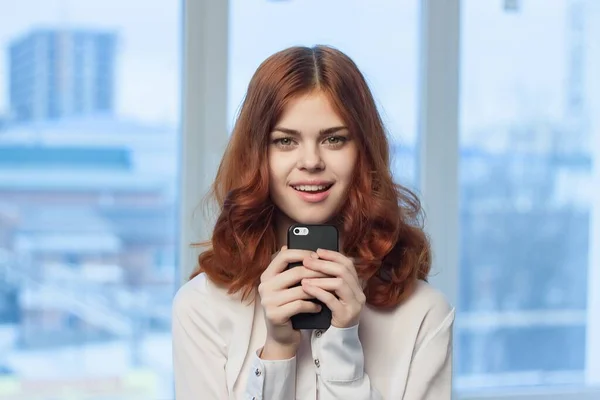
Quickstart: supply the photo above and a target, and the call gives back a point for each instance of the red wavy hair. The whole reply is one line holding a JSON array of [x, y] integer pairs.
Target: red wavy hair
[[380, 223]]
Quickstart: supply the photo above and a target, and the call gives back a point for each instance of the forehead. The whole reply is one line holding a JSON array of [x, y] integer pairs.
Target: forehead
[[309, 113]]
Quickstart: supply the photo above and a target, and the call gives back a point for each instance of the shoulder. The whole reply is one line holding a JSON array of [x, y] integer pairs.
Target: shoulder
[[194, 294], [200, 302], [425, 306], [426, 299], [424, 313], [424, 317], [431, 309]]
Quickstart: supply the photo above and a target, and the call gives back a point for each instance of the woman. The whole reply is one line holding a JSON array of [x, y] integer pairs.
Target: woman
[[309, 125]]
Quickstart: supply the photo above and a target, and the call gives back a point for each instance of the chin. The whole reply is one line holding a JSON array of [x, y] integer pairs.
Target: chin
[[312, 219]]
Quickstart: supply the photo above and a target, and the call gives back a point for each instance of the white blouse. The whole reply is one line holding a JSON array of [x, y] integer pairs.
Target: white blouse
[[404, 353]]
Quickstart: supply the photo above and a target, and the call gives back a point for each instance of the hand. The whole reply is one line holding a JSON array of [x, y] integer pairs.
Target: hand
[[281, 300], [343, 281]]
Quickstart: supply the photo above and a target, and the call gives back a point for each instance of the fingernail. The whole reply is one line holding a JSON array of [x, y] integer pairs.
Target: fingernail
[[314, 255]]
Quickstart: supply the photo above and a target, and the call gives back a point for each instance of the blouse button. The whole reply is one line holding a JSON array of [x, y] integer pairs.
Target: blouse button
[[257, 372], [319, 333]]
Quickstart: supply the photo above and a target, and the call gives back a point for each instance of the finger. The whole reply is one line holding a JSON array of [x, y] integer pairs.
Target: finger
[[281, 261], [337, 257], [335, 285], [286, 296], [326, 297], [334, 269], [281, 315], [291, 277], [334, 256], [275, 254]]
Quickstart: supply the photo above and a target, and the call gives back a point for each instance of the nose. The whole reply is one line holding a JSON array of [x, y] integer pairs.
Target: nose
[[309, 159]]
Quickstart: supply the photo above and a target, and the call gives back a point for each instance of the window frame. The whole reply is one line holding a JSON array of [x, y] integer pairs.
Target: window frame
[[593, 83], [204, 117], [204, 138]]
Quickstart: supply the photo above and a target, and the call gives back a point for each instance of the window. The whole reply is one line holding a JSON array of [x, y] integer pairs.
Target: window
[[259, 28], [529, 131], [89, 116]]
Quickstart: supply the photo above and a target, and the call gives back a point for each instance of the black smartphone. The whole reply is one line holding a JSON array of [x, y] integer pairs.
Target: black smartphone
[[312, 237]]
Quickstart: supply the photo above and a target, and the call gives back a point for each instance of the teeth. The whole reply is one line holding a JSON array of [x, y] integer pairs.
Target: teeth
[[311, 188]]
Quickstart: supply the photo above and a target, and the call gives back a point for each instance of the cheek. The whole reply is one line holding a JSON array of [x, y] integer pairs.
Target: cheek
[[279, 168], [346, 165]]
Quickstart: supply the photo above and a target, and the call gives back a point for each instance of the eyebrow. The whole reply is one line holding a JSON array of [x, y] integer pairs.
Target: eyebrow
[[322, 132]]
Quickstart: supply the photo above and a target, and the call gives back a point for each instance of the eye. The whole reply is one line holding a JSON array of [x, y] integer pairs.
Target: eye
[[336, 141], [283, 142]]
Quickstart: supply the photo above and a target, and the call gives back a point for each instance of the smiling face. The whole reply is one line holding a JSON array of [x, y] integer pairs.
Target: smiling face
[[312, 157]]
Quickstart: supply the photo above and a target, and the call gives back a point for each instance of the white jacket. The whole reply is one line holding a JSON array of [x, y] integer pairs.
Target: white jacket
[[403, 354]]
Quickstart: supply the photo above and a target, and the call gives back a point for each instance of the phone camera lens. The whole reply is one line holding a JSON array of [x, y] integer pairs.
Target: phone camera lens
[[296, 231]]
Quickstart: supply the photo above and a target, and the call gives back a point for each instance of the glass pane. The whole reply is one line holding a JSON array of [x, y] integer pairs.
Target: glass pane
[[381, 40], [89, 95], [529, 115]]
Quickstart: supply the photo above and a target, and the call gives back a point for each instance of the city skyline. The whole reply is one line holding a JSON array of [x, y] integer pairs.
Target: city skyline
[[149, 52]]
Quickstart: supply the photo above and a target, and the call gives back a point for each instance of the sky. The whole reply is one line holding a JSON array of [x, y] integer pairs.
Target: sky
[[382, 40], [513, 65], [148, 52]]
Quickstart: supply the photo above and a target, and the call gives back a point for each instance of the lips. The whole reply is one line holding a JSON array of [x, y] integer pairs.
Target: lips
[[312, 192], [312, 188]]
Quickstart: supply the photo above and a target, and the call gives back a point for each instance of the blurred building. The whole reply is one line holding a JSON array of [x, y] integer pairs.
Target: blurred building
[[56, 73], [87, 225]]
